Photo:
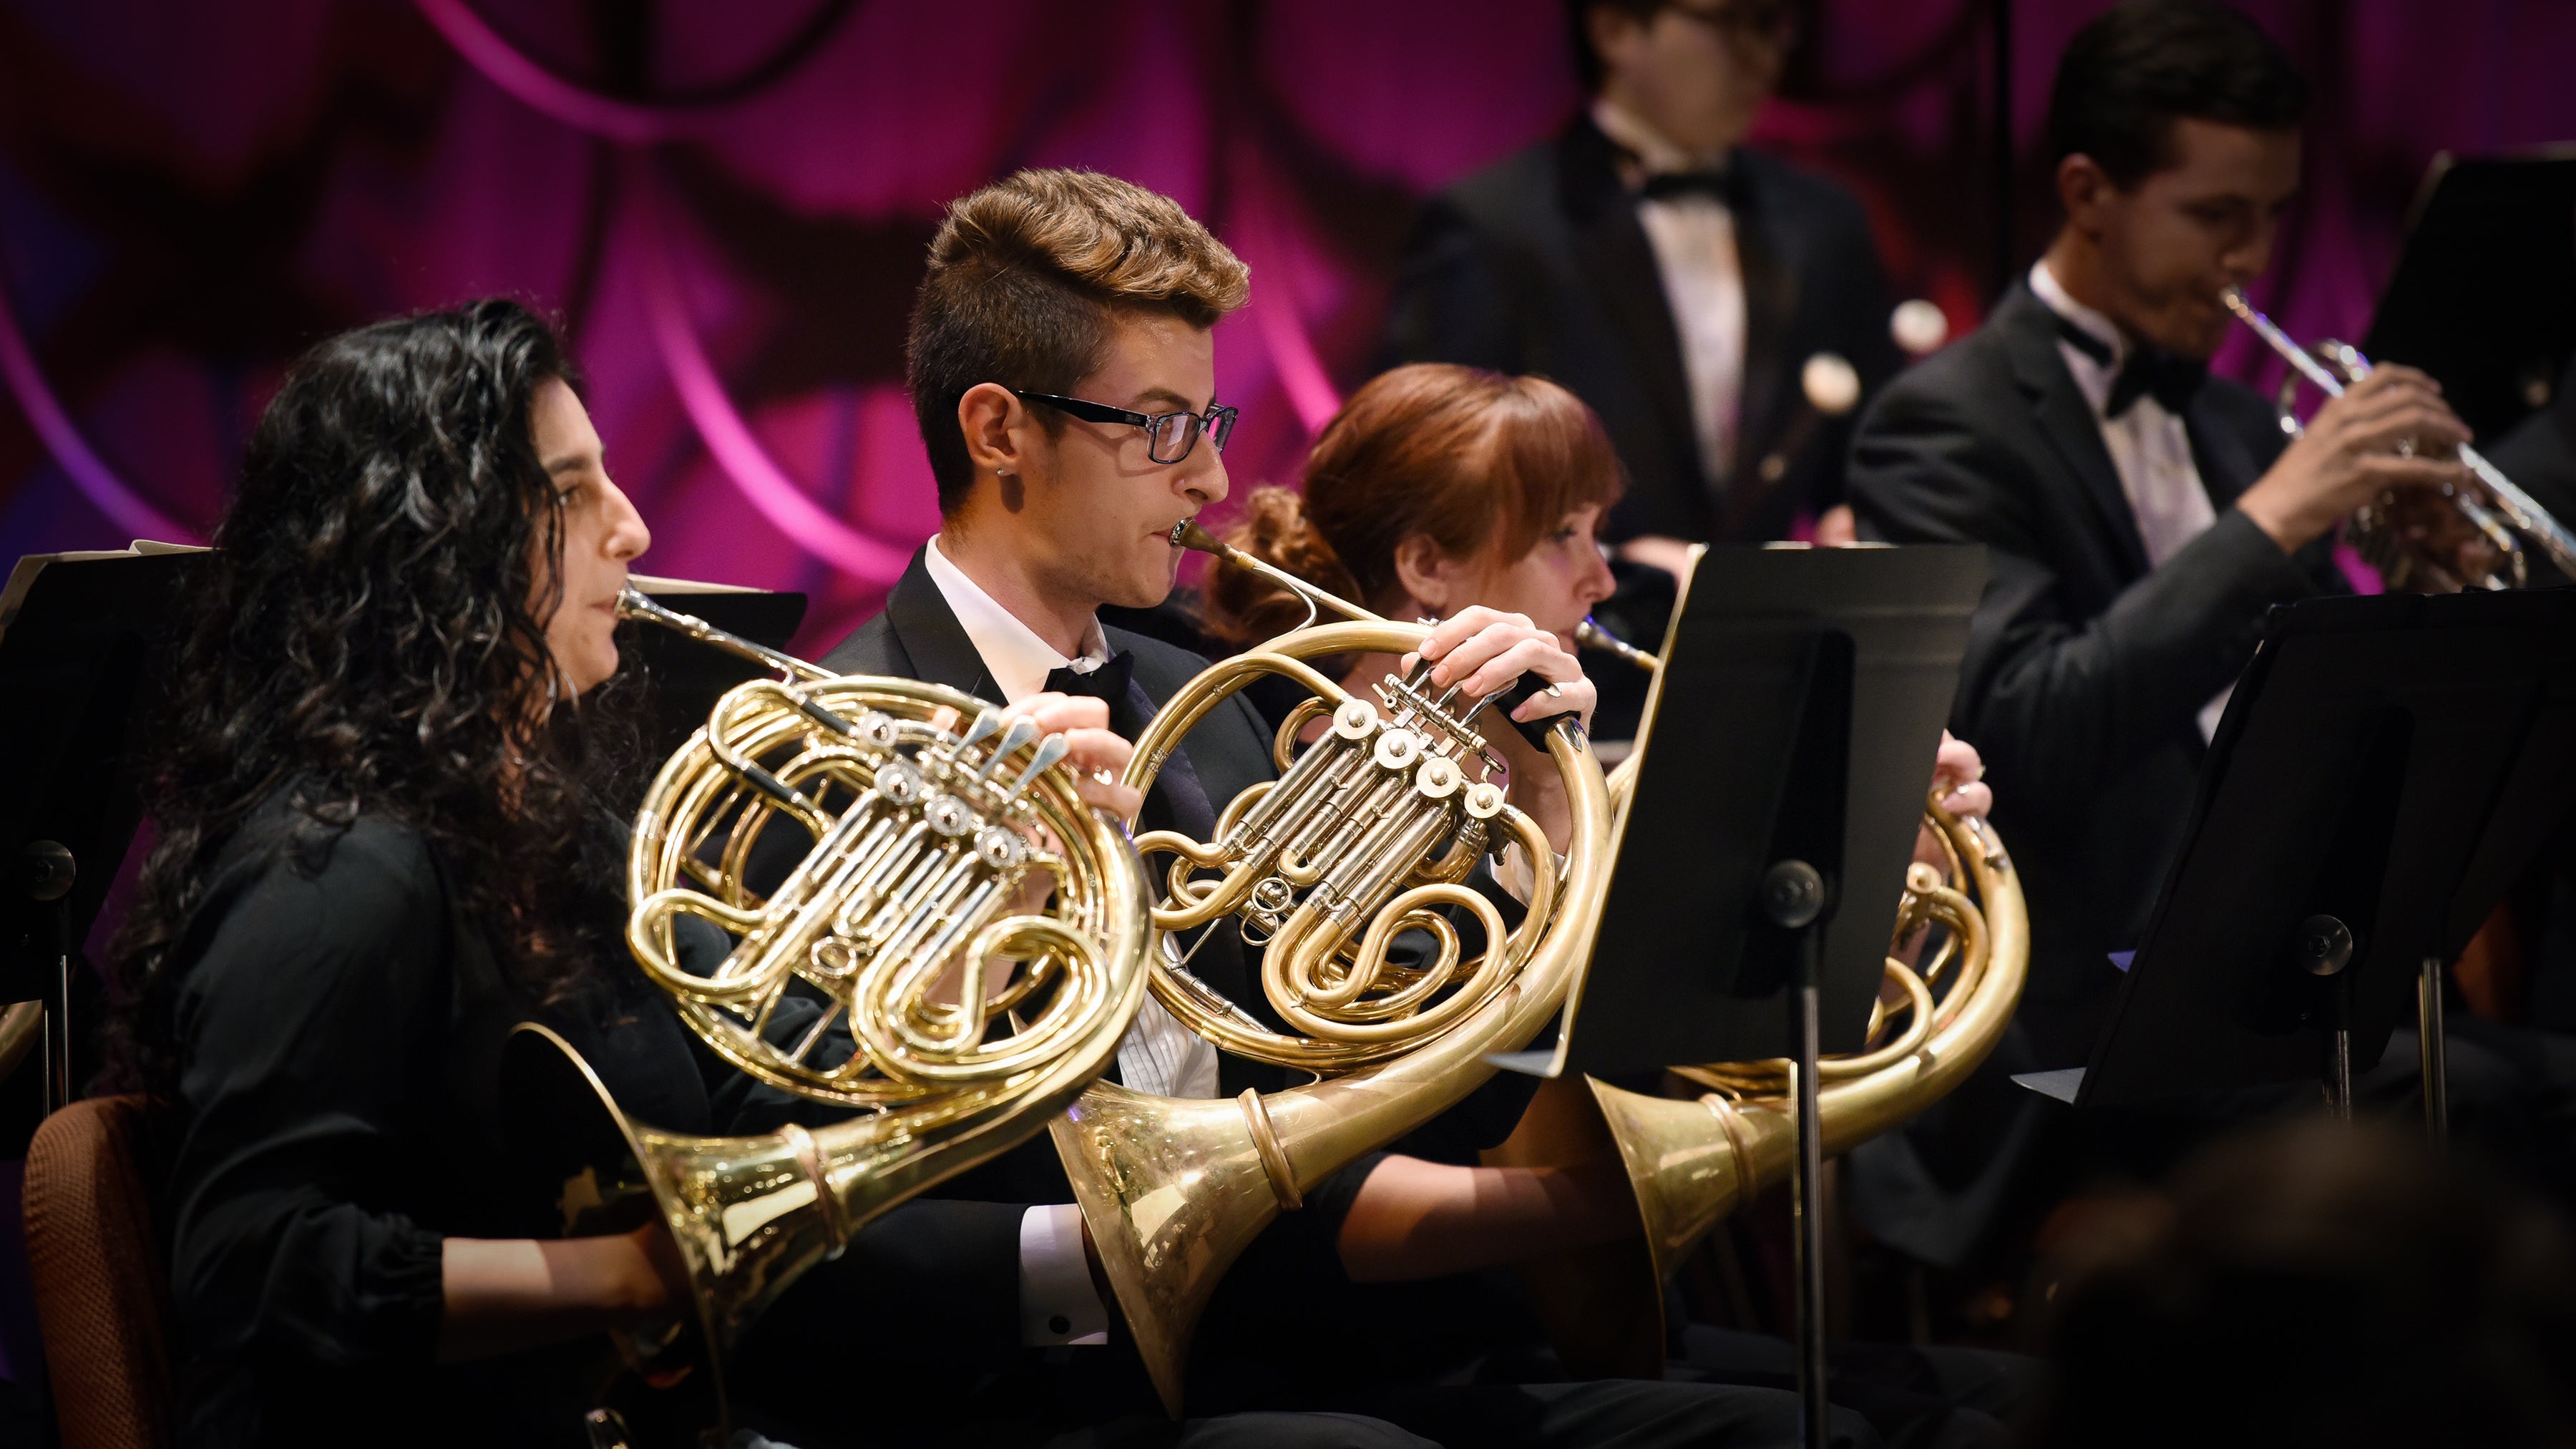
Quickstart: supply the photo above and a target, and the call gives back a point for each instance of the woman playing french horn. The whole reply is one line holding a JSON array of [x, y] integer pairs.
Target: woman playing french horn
[[1438, 488], [390, 828]]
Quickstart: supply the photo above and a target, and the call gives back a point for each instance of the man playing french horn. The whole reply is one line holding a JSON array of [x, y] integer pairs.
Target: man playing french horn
[[1062, 366]]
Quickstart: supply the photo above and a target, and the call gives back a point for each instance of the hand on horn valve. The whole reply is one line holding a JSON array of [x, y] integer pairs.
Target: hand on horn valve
[[1490, 649], [1097, 754], [1958, 766]]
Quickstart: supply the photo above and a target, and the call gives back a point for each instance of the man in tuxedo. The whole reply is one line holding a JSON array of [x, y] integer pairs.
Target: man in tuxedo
[[1677, 281], [1061, 363], [2139, 516]]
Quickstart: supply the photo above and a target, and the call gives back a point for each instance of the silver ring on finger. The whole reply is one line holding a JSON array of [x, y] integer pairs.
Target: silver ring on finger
[[2406, 447]]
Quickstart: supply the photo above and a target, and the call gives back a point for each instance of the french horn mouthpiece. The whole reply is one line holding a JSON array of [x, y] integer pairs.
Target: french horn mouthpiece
[[1188, 534]]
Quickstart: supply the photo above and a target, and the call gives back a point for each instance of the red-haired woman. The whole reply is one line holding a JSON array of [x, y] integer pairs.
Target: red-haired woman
[[1439, 487]]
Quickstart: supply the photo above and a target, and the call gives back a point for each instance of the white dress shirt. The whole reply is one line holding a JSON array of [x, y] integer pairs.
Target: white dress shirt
[[1693, 238], [2150, 448], [1058, 1304]]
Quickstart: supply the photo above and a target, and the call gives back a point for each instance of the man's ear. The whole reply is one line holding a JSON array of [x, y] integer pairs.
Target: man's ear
[[2083, 189], [1426, 573], [999, 431]]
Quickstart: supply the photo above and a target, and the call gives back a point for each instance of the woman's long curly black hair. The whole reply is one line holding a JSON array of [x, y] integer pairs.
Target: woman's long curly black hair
[[372, 637]]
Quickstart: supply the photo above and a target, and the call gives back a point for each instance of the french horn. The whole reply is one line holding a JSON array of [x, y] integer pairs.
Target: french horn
[[1691, 1159], [1368, 832], [2481, 544], [926, 812]]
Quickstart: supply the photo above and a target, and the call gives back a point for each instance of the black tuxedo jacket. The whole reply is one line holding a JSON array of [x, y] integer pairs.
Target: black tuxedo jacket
[[1538, 265], [946, 1264], [2086, 669]]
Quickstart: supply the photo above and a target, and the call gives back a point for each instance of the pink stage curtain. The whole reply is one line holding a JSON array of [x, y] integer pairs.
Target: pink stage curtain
[[727, 204]]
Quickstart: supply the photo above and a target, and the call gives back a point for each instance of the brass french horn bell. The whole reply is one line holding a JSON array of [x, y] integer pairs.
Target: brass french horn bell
[[926, 813], [1369, 831], [2484, 546], [1693, 1159]]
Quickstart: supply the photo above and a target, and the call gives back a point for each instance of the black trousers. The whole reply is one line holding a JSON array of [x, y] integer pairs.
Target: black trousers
[[1914, 1398], [1610, 1414]]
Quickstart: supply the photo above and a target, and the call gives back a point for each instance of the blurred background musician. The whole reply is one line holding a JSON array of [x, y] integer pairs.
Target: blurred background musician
[[1673, 278], [1435, 489], [1096, 300], [2140, 517]]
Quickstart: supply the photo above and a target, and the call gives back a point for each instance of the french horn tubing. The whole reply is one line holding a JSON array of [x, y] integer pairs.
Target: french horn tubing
[[2494, 519], [927, 812], [1693, 1159], [1370, 831]]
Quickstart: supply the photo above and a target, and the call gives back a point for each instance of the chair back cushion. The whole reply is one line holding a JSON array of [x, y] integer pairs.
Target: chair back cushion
[[102, 1284]]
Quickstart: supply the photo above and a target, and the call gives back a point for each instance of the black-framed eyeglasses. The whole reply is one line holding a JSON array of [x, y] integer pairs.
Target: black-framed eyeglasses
[[1169, 436]]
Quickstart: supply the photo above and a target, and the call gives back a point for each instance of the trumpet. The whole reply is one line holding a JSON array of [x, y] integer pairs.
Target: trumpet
[[970, 1021], [2498, 515], [1690, 1160], [1370, 831]]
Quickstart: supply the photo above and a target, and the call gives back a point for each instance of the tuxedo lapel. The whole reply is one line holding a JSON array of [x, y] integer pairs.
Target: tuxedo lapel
[[1770, 304], [2067, 420], [1618, 266], [927, 631]]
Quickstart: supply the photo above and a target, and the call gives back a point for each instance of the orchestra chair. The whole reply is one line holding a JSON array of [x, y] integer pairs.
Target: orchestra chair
[[102, 1287]]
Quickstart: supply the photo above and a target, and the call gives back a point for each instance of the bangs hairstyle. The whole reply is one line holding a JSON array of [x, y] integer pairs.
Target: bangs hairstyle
[[1026, 277], [1475, 461], [2134, 71]]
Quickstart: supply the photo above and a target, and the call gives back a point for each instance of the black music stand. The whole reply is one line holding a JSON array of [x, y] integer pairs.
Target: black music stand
[[2483, 295], [1803, 693], [2385, 768], [686, 676], [84, 638]]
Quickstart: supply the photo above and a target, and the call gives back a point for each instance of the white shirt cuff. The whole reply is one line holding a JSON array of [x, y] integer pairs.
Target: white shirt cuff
[[1057, 1302]]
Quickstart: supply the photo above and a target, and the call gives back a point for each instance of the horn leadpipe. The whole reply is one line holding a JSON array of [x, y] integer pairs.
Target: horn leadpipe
[[632, 604], [1188, 534], [2519, 508]]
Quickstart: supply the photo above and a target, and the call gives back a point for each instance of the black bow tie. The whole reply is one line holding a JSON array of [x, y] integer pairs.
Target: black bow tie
[[1108, 682], [2150, 372], [1178, 801], [1725, 186]]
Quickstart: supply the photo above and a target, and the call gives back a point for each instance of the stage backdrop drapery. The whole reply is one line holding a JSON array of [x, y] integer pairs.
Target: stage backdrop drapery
[[728, 205]]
